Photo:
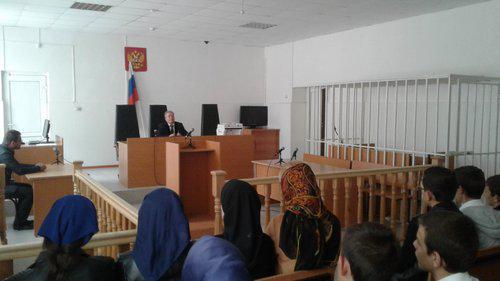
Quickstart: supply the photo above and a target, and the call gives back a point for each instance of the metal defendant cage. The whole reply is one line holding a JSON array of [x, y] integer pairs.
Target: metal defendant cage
[[450, 116]]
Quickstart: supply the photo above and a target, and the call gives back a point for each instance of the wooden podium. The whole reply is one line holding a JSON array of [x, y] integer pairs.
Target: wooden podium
[[143, 161], [188, 174]]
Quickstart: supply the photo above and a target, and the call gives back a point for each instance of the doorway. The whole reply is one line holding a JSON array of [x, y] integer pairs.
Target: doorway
[[25, 103]]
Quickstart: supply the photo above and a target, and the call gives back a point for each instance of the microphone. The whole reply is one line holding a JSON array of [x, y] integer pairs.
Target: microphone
[[189, 133], [337, 132], [279, 151], [155, 133], [294, 154]]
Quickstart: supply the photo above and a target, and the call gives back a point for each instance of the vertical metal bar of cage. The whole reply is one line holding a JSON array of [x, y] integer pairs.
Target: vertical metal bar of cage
[[405, 129], [362, 125], [318, 119], [482, 125], [386, 118], [496, 130], [378, 121], [354, 118], [426, 114], [395, 123], [459, 106], [437, 116], [333, 120], [369, 121], [341, 121], [348, 111], [448, 124], [489, 132], [474, 127], [466, 124], [308, 119], [415, 122]]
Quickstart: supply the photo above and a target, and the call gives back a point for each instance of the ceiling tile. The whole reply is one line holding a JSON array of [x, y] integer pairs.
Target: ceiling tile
[[137, 4]]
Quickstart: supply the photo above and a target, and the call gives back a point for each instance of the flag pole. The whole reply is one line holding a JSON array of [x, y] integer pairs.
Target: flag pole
[[138, 106]]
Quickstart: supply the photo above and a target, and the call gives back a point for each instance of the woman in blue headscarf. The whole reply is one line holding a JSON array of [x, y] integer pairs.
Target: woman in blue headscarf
[[70, 224], [214, 259], [163, 239]]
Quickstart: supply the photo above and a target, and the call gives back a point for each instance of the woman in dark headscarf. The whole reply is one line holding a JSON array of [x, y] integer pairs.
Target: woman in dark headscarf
[[307, 233], [241, 206], [214, 259], [162, 242], [70, 224]]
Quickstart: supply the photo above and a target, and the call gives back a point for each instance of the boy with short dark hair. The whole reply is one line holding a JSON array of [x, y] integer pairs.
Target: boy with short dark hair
[[369, 252], [446, 245], [471, 186]]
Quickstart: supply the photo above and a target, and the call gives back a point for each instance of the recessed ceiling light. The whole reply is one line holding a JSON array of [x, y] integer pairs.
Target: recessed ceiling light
[[152, 28], [154, 10], [258, 25]]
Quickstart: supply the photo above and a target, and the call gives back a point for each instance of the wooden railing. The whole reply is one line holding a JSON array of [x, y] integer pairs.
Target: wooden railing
[[354, 196], [113, 213]]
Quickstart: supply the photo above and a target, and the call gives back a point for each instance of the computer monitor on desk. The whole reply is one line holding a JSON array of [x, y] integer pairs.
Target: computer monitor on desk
[[46, 129]]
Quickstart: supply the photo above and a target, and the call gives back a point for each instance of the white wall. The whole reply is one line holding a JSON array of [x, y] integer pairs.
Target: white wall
[[180, 74], [462, 41]]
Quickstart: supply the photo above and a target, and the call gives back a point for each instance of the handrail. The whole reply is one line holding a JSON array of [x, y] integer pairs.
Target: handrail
[[338, 174], [25, 250]]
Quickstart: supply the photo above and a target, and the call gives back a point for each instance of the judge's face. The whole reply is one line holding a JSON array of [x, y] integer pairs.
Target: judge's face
[[170, 117]]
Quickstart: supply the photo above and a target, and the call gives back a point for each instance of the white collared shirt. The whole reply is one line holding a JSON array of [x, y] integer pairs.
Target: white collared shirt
[[461, 276], [472, 203]]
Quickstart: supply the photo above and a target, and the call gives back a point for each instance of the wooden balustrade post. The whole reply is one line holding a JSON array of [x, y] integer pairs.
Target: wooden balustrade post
[[360, 182], [404, 200], [394, 203], [371, 206], [267, 203], [3, 224], [321, 184], [347, 199], [335, 185], [218, 180], [383, 186], [77, 165]]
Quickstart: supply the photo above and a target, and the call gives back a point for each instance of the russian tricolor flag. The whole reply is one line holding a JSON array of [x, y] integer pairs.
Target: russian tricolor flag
[[133, 96]]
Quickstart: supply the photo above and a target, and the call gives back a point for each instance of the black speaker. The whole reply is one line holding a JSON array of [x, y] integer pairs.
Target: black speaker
[[209, 119], [156, 116], [126, 125]]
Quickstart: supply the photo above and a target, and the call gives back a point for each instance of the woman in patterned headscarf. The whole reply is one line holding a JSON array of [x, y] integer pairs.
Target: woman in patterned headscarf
[[308, 235]]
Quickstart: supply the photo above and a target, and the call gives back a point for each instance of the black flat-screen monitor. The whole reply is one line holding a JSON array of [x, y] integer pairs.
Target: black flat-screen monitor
[[46, 129], [253, 116]]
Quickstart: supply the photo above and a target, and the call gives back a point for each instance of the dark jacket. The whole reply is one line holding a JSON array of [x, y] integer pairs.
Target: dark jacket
[[89, 268], [131, 271], [11, 164], [407, 264], [164, 129]]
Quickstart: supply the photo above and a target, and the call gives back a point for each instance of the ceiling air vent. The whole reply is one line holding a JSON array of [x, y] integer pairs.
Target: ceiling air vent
[[258, 25], [90, 7]]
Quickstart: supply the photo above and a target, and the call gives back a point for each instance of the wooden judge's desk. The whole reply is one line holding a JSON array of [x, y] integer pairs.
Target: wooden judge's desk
[[145, 161]]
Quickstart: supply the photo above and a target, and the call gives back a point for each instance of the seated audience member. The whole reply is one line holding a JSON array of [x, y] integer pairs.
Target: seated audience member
[[214, 259], [171, 128], [70, 224], [446, 245], [307, 235], [241, 207], [162, 242], [439, 188], [369, 252], [492, 192], [470, 188]]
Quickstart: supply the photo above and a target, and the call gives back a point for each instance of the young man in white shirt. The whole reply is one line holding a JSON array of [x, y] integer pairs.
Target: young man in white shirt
[[446, 245], [471, 185]]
